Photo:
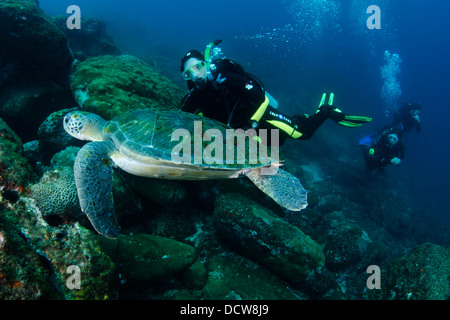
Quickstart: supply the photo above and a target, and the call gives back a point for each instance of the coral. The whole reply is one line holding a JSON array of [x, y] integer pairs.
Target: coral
[[56, 192], [258, 234], [22, 272], [110, 85], [36, 257]]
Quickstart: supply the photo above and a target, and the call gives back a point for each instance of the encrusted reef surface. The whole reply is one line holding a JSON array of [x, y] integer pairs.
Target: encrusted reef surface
[[422, 274], [110, 85], [249, 227], [186, 240]]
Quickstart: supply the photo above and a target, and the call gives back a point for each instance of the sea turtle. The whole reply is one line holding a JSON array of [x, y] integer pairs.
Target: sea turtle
[[142, 142]]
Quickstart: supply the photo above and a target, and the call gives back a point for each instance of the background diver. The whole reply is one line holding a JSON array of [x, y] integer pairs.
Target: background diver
[[381, 150], [220, 89], [408, 117]]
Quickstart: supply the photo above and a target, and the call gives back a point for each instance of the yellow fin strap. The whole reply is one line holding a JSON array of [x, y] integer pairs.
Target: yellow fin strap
[[257, 139], [322, 101], [261, 110], [286, 128], [330, 101]]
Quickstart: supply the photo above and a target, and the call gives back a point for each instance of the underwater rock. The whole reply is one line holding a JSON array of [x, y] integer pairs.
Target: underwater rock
[[109, 86], [51, 251], [25, 106], [15, 171], [30, 36], [33, 153], [52, 136], [145, 257], [263, 237], [422, 274], [23, 274], [159, 191], [36, 61], [56, 192], [89, 41], [232, 277], [65, 158], [195, 276], [346, 242]]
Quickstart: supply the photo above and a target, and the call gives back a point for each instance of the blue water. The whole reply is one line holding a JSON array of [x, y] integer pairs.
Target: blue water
[[303, 48]]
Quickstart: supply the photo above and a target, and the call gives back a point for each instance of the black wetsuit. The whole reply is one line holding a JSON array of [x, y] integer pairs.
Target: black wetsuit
[[405, 119], [233, 96], [380, 153]]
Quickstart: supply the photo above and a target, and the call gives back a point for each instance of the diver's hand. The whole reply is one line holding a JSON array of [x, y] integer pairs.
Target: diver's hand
[[396, 161]]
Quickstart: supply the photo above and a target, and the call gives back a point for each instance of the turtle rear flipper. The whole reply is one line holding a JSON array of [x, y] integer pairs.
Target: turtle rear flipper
[[93, 178], [284, 188]]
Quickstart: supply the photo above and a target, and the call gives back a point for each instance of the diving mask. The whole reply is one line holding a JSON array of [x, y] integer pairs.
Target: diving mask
[[416, 115], [193, 72], [393, 139]]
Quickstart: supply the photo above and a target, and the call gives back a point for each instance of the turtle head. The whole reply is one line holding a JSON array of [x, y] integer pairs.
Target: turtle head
[[84, 125]]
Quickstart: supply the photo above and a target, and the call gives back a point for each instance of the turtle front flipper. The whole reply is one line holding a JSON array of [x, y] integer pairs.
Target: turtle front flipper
[[93, 178], [281, 186]]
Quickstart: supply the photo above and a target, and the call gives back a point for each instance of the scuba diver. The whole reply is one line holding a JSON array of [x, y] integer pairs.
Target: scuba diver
[[383, 149], [408, 116], [220, 89]]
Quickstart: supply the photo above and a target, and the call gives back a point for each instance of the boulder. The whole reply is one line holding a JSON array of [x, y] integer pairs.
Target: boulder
[[33, 40], [233, 277], [89, 41], [346, 242], [422, 274], [15, 171], [52, 136], [260, 235], [35, 258], [110, 85], [145, 257], [35, 63]]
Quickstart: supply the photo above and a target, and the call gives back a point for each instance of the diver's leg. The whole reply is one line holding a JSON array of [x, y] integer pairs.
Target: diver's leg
[[287, 125]]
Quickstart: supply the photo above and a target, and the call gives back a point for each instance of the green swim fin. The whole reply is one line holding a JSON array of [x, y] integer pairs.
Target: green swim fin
[[338, 116], [322, 100], [354, 121]]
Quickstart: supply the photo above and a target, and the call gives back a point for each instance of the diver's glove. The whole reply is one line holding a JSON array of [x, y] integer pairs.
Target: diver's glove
[[396, 161]]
